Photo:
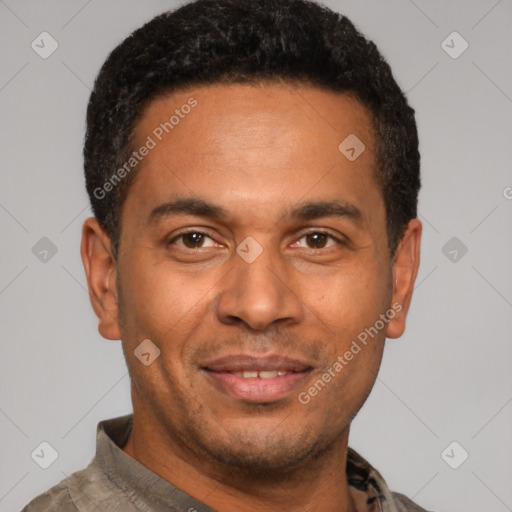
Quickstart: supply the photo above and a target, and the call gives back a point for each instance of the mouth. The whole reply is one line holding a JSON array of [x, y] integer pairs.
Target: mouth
[[261, 374], [257, 379]]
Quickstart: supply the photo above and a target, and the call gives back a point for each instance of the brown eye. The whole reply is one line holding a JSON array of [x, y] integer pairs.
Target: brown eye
[[193, 240], [317, 240]]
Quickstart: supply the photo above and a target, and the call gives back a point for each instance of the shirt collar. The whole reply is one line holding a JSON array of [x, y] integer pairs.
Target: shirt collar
[[149, 491], [144, 488]]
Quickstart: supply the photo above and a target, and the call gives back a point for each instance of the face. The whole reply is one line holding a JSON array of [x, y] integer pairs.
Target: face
[[253, 255]]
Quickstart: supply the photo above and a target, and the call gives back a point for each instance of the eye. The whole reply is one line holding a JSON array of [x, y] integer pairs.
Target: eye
[[193, 240], [317, 240]]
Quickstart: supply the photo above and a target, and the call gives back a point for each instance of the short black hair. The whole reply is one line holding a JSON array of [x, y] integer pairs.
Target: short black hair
[[236, 41]]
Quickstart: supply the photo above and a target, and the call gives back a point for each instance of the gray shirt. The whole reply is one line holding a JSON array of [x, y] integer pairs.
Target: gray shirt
[[115, 482]]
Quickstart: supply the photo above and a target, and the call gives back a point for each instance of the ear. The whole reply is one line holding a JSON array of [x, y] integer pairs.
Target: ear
[[405, 269], [100, 270]]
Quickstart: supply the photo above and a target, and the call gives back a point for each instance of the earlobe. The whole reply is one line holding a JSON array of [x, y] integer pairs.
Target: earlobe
[[405, 269], [100, 270]]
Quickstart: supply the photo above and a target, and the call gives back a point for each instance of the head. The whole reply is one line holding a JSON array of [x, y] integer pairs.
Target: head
[[232, 230]]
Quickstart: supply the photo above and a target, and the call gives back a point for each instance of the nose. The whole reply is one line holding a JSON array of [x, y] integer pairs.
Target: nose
[[259, 294]]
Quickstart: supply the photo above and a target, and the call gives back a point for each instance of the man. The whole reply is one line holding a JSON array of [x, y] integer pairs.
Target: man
[[254, 170]]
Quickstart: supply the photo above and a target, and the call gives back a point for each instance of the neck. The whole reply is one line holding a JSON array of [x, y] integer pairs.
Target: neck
[[319, 484]]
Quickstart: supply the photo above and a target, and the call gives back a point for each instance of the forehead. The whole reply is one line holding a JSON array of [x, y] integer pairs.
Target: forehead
[[269, 144]]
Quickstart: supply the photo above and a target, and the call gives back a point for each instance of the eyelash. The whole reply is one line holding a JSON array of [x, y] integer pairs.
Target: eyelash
[[327, 234]]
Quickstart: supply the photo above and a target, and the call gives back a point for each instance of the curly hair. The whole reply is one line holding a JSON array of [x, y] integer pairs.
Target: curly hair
[[236, 41]]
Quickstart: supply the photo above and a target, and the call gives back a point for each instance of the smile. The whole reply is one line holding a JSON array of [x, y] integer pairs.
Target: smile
[[257, 380], [264, 374]]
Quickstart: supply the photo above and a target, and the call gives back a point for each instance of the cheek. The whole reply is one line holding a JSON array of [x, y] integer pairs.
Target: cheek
[[158, 301], [350, 383], [348, 300]]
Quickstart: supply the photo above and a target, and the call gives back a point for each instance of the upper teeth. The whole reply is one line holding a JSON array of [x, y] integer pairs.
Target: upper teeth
[[265, 374]]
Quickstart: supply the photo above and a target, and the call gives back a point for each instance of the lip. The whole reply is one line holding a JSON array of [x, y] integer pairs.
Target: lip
[[247, 362], [256, 390]]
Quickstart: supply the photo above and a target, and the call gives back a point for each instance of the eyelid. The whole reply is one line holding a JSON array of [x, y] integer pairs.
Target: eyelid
[[325, 231], [340, 239], [186, 231]]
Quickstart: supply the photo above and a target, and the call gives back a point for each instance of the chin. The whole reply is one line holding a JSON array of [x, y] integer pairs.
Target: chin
[[262, 454]]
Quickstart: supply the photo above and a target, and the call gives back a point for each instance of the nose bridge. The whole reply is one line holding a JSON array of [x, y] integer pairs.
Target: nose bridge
[[256, 291]]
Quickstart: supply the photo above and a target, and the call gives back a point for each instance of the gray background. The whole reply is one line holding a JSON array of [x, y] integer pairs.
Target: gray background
[[448, 379]]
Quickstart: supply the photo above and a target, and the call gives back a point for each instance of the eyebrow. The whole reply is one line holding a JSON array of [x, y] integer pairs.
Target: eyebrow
[[304, 211], [188, 206], [317, 209]]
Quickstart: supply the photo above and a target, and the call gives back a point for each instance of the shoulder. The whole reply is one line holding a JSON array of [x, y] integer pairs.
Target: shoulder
[[80, 492], [56, 498], [404, 504]]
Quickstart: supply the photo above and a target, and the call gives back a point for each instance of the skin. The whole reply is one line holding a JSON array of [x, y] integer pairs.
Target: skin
[[258, 151]]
